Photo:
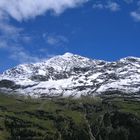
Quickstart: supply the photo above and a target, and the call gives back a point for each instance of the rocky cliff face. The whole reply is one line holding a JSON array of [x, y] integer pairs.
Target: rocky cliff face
[[72, 75]]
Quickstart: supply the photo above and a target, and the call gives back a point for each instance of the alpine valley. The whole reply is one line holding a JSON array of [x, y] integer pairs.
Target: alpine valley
[[71, 97]]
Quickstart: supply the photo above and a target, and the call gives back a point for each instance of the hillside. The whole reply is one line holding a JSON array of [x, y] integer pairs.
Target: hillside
[[69, 119]]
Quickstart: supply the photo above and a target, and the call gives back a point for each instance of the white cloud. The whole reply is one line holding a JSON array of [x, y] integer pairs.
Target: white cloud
[[22, 56], [110, 5], [98, 6], [52, 40], [8, 29], [138, 3], [135, 15], [26, 9], [55, 40], [113, 6], [11, 40]]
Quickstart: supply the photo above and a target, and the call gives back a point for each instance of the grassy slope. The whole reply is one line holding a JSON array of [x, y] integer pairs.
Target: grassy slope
[[67, 119]]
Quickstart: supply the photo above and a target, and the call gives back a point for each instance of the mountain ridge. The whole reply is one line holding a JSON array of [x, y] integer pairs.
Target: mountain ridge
[[71, 75]]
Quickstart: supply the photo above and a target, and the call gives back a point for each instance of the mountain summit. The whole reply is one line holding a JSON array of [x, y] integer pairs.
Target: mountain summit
[[71, 75]]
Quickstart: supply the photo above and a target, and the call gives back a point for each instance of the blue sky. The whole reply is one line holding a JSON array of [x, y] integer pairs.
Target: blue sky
[[32, 30]]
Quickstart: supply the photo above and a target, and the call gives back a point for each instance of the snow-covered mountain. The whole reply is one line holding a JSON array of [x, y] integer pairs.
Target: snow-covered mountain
[[74, 75]]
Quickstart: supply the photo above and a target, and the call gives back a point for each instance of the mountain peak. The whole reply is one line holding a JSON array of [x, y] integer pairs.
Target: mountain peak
[[130, 59], [67, 54]]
